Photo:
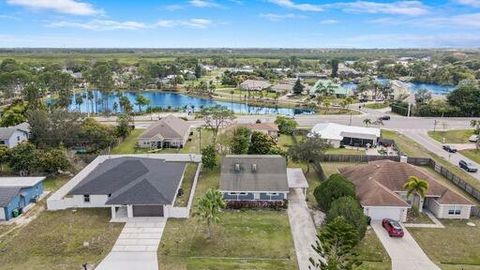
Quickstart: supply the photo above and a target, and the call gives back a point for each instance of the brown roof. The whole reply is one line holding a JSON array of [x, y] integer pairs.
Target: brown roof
[[377, 182], [169, 127]]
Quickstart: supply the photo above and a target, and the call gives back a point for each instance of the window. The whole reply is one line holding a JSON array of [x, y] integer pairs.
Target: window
[[86, 198], [18, 138], [243, 193], [455, 210], [272, 194], [232, 193]]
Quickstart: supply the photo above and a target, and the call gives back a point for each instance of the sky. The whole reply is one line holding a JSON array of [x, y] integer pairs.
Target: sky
[[239, 24]]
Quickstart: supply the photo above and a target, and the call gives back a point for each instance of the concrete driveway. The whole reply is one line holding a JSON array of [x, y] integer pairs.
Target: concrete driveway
[[404, 252], [136, 247], [303, 228]]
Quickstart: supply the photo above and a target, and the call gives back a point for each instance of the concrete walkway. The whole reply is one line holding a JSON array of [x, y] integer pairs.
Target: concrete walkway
[[404, 252], [303, 228], [136, 247]]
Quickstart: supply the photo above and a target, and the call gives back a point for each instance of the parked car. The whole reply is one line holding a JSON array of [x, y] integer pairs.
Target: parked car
[[467, 166], [474, 138], [384, 117], [393, 228], [449, 148]]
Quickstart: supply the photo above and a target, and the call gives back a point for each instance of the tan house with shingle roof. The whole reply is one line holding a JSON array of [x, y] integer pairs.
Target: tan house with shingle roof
[[169, 131], [379, 187]]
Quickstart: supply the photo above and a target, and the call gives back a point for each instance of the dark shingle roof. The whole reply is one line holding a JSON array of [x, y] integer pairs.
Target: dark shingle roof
[[133, 180], [7, 194], [270, 173]]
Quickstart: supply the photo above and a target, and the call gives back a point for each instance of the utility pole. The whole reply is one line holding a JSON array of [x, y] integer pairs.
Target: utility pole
[[435, 122]]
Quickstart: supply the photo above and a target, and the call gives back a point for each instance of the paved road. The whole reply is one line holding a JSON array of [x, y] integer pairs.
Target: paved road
[[404, 252], [303, 228], [136, 247]]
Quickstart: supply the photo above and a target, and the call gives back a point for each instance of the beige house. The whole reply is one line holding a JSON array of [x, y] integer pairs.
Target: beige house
[[379, 187], [169, 131]]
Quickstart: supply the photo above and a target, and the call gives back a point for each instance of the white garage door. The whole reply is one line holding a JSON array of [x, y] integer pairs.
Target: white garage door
[[2, 213], [379, 213]]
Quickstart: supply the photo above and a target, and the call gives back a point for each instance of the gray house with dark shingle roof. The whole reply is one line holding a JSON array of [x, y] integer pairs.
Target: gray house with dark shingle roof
[[12, 136], [169, 131], [131, 186], [254, 178]]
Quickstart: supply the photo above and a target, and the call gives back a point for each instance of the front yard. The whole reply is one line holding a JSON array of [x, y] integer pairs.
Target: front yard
[[472, 154], [455, 247], [60, 240], [242, 240], [452, 136], [372, 254]]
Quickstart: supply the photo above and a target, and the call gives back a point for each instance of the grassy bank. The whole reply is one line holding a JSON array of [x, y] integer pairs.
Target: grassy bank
[[452, 136]]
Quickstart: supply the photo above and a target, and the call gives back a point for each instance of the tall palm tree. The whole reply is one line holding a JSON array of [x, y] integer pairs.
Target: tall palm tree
[[209, 208], [418, 187]]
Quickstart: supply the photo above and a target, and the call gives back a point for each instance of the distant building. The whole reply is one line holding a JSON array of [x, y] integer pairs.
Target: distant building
[[12, 136], [337, 89], [169, 131], [255, 85], [338, 135], [16, 194]]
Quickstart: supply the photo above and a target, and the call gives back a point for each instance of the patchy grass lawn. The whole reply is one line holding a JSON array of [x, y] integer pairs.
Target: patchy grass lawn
[[54, 240], [454, 247], [53, 183], [420, 218], [452, 136], [187, 184], [242, 240], [285, 141], [371, 253], [346, 151], [405, 144], [377, 105], [128, 145], [193, 145], [472, 154]]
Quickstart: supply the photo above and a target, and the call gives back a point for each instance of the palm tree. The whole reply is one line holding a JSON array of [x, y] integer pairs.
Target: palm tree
[[418, 187], [141, 101], [367, 122], [209, 208]]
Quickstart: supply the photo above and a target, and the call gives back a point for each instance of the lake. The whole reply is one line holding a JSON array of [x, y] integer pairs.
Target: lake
[[436, 89], [171, 100]]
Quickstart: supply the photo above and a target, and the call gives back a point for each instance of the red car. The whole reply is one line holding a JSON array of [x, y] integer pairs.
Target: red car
[[393, 227]]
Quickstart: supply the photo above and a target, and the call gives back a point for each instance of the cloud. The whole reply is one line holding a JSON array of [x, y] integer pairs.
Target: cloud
[[100, 25], [471, 20], [293, 5], [72, 7], [8, 17], [203, 3], [409, 8], [279, 17], [190, 23], [329, 21], [472, 3]]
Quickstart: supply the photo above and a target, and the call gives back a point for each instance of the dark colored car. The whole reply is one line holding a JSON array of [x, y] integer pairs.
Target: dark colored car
[[449, 148], [467, 166], [393, 228], [384, 117]]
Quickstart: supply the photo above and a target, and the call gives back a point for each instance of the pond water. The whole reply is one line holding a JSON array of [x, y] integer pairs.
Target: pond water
[[436, 89], [168, 100]]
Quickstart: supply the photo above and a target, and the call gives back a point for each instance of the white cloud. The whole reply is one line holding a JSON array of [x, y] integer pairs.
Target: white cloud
[[203, 3], [191, 23], [409, 8], [329, 21], [471, 20], [73, 7], [472, 3], [279, 17], [293, 5], [100, 25]]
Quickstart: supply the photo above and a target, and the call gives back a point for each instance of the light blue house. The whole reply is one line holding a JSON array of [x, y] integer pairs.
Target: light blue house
[[254, 178], [17, 193]]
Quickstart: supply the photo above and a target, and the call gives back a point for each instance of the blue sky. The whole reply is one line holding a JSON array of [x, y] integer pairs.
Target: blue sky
[[239, 23]]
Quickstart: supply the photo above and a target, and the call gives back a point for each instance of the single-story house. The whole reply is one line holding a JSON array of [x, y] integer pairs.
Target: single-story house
[[16, 193], [270, 129], [282, 88], [169, 131], [12, 136], [255, 85], [254, 178], [338, 135], [132, 186], [336, 89], [379, 187]]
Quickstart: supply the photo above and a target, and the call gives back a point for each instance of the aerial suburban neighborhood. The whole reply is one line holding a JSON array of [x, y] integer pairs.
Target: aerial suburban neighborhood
[[266, 135]]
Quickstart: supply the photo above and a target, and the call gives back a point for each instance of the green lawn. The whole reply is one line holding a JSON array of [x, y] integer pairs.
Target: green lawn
[[53, 183], [454, 247], [452, 136], [128, 145], [187, 184], [284, 141], [55, 240], [193, 145], [472, 154], [376, 106], [241, 240], [371, 253]]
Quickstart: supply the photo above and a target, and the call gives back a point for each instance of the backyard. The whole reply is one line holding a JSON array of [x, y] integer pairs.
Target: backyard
[[60, 240]]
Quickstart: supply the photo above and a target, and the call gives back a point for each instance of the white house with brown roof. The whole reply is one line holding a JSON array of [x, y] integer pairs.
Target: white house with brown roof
[[169, 131], [379, 187]]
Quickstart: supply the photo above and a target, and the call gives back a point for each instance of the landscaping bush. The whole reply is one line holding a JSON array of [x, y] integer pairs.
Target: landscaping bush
[[352, 211], [334, 187], [276, 205], [285, 125]]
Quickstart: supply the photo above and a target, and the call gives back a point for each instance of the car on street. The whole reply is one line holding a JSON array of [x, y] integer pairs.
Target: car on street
[[393, 227], [474, 138], [384, 117], [467, 166], [449, 148]]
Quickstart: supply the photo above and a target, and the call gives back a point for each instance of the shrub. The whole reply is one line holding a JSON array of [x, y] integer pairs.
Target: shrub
[[276, 205], [209, 157], [285, 125], [352, 211], [334, 187]]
